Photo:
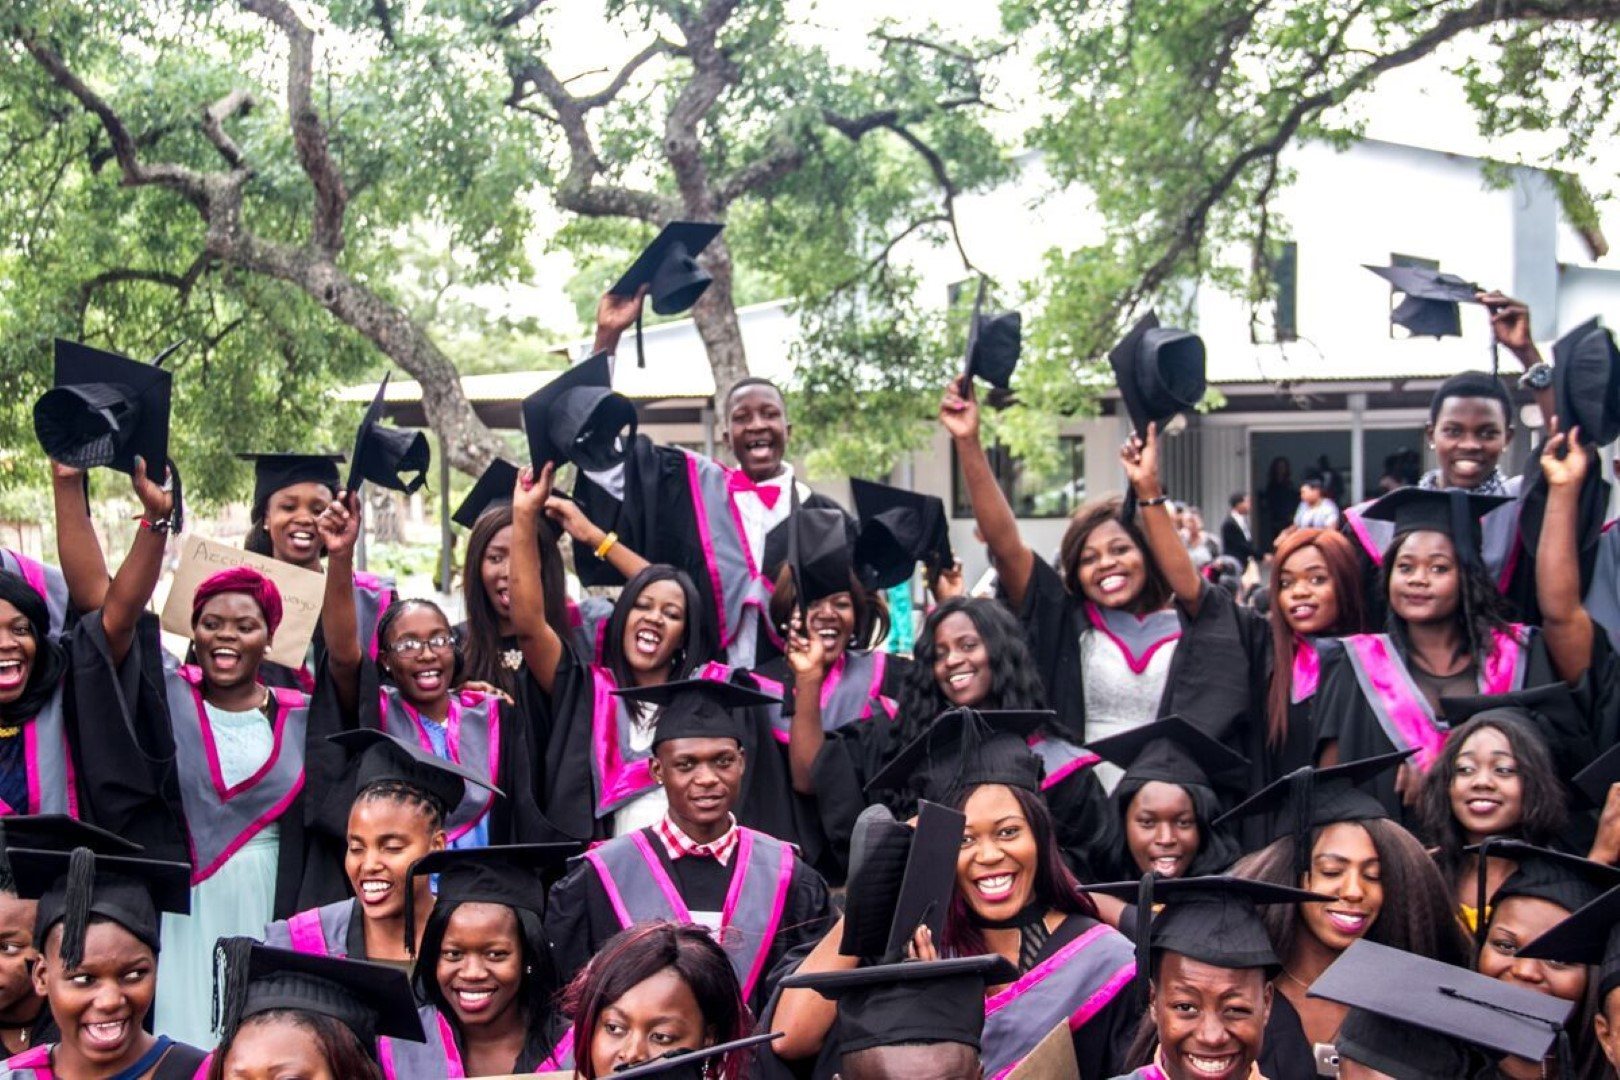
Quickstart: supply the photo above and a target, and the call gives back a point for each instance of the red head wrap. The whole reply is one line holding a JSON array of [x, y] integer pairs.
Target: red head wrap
[[241, 579]]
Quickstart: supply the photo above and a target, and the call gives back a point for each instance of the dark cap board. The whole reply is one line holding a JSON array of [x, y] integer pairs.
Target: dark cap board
[[1550, 711], [1172, 751], [372, 1000], [105, 410], [129, 891], [1595, 780], [995, 342], [965, 747], [1590, 935], [1455, 513], [901, 878], [821, 550], [1586, 383], [1567, 880], [699, 708], [909, 1002], [898, 529], [385, 455], [693, 1064], [492, 489], [383, 758], [273, 472], [1159, 371], [1429, 307], [1425, 995], [1333, 794], [59, 832], [669, 267], [577, 417], [508, 874]]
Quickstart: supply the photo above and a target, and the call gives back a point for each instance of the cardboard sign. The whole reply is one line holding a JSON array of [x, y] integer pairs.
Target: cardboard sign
[[301, 594], [1052, 1058]]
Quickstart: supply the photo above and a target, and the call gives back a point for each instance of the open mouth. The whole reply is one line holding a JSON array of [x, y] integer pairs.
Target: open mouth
[[428, 680], [12, 675], [1166, 865], [1483, 807], [1302, 612], [648, 641], [301, 540], [1348, 922], [108, 1035], [828, 636], [503, 597], [1210, 1066], [473, 1001], [375, 891], [994, 888], [759, 446], [708, 802], [225, 660]]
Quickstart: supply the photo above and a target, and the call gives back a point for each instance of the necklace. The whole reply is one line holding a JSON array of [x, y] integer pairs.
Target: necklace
[[1297, 981], [9, 732]]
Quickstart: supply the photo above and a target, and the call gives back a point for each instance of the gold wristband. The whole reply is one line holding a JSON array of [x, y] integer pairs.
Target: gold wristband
[[606, 545]]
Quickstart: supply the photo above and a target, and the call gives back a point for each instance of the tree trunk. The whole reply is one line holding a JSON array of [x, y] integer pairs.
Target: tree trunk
[[715, 317]]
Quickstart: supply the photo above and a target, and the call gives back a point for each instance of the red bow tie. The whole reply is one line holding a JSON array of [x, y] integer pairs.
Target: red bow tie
[[738, 482]]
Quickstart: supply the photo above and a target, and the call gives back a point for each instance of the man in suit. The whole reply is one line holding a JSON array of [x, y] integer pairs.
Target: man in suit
[[1236, 538]]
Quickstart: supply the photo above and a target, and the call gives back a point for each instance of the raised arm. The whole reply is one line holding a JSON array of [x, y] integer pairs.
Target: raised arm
[[131, 590], [542, 648], [1141, 459], [806, 656], [615, 315], [1510, 322], [339, 529], [1565, 625], [1014, 559], [78, 549], [591, 536], [805, 1015]]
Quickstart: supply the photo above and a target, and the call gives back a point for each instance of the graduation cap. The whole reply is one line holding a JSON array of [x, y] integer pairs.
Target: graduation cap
[[507, 874], [372, 1000], [914, 1001], [1590, 936], [383, 454], [1174, 752], [698, 708], [965, 747], [1550, 711], [692, 1064], [1567, 880], [1431, 298], [380, 757], [105, 410], [577, 417], [669, 268], [1594, 780], [73, 885], [898, 529], [900, 878], [273, 472], [994, 345], [1310, 798], [1586, 382], [820, 553], [492, 489], [1214, 920], [1409, 1013], [1159, 371], [59, 832], [1454, 512]]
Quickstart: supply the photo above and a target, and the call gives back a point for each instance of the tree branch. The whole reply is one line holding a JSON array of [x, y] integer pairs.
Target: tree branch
[[213, 125], [882, 256], [783, 158], [182, 282]]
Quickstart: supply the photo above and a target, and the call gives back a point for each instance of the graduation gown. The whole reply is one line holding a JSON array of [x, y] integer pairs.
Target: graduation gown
[[1210, 679], [1286, 1051], [180, 1062], [581, 914], [576, 769], [1269, 763]]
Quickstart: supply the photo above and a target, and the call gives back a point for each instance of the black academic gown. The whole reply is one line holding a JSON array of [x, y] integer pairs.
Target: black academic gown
[[1286, 1051], [580, 918], [1210, 683], [1267, 762]]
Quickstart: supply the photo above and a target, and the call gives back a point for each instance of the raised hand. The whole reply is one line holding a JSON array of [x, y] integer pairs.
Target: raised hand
[[157, 501], [949, 583], [959, 414], [616, 314], [1563, 459], [1510, 322], [806, 655], [1141, 459], [530, 493], [339, 525]]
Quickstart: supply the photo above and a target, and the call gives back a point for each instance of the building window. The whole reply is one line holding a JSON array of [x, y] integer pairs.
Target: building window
[[1285, 289], [1032, 493], [1416, 262]]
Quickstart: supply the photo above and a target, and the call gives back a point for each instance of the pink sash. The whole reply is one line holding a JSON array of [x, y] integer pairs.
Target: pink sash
[[1307, 671]]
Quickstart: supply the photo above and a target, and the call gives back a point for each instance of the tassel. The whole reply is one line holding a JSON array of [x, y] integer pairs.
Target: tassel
[[8, 882], [1144, 934], [77, 894], [1301, 788], [1480, 898], [1465, 531], [641, 355], [410, 913], [232, 960]]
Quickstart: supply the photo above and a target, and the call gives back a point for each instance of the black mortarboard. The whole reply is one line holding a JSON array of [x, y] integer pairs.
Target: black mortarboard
[[71, 886], [1590, 935], [900, 878], [58, 832], [1431, 299], [669, 268], [1594, 780], [1160, 372], [106, 410], [273, 472], [383, 454], [1586, 383], [994, 344], [699, 708], [1310, 798], [1567, 880], [509, 874], [820, 553], [965, 747], [693, 1064], [1453, 512], [1214, 920], [493, 488], [898, 529], [1173, 751], [913, 1001], [1409, 1012], [379, 757], [577, 417], [372, 1000], [1550, 712]]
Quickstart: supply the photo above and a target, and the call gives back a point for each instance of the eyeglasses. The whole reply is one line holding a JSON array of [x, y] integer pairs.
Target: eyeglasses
[[411, 646]]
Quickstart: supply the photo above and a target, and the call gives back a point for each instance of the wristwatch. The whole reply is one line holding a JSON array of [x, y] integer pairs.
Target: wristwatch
[[1537, 376]]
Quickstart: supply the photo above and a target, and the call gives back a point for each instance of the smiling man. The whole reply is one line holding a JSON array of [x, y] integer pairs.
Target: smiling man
[[697, 864]]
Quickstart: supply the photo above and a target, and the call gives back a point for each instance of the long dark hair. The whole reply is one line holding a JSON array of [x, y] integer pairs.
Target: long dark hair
[[1216, 846], [50, 659], [339, 1047], [1055, 884], [1543, 805], [1482, 611], [1156, 591], [539, 978], [633, 956], [1014, 683], [1417, 915], [871, 610], [482, 646], [697, 646], [1345, 571]]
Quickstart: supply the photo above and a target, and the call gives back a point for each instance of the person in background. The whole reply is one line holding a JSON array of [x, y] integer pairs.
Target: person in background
[[1201, 547], [1316, 510], [1237, 536], [1277, 501]]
